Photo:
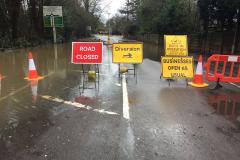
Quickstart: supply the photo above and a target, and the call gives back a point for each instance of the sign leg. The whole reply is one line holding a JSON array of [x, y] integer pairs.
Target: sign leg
[[119, 71], [136, 73]]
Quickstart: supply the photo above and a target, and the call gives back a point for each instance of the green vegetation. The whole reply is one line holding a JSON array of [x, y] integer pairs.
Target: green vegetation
[[21, 21], [179, 17]]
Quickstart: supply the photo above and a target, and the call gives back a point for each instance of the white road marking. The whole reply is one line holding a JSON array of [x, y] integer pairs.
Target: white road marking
[[229, 82], [118, 84], [235, 85], [107, 75], [125, 98], [78, 105]]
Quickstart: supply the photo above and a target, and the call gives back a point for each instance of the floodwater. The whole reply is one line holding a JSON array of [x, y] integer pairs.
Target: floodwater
[[29, 108], [18, 96], [19, 103]]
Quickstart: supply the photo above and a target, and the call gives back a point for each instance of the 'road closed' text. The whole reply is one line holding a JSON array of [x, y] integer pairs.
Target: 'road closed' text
[[84, 57]]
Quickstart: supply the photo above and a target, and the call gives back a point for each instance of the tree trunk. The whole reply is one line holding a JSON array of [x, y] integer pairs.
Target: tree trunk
[[33, 14], [204, 38], [40, 18], [15, 9], [236, 35], [222, 37]]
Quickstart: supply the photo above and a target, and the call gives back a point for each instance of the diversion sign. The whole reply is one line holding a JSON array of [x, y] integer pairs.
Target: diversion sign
[[127, 53], [177, 67]]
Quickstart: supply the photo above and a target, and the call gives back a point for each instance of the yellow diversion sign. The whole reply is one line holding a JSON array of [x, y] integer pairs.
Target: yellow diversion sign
[[127, 53], [177, 67], [175, 45]]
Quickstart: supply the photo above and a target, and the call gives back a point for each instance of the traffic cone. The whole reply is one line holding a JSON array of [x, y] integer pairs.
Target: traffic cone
[[1, 77], [198, 77], [32, 72], [34, 88], [0, 86]]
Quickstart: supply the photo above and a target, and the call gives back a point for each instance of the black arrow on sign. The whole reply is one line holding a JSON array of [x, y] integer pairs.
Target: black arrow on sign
[[129, 55]]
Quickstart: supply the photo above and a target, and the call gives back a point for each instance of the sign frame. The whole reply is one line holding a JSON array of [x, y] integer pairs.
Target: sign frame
[[192, 59], [50, 19], [84, 43], [165, 45], [141, 43], [54, 8]]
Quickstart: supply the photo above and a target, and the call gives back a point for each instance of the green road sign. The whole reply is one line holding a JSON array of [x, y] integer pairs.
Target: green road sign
[[58, 21], [52, 16]]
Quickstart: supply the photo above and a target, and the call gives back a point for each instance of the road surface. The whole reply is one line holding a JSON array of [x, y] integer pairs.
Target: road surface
[[127, 118]]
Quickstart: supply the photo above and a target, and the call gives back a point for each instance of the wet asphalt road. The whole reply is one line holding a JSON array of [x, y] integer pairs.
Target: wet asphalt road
[[57, 119]]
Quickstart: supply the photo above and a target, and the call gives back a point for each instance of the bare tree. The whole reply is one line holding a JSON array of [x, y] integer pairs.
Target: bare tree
[[91, 6]]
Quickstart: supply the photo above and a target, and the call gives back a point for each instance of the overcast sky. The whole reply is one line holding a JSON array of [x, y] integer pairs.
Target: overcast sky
[[111, 6]]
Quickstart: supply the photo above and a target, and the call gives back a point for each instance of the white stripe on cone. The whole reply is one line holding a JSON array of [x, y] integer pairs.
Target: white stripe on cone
[[31, 65], [199, 70]]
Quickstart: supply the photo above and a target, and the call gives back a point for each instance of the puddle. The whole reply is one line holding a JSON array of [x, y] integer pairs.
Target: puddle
[[227, 106], [86, 100], [132, 101]]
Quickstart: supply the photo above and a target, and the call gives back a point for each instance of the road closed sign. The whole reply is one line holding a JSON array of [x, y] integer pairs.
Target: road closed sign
[[87, 52], [177, 67], [127, 53], [176, 45]]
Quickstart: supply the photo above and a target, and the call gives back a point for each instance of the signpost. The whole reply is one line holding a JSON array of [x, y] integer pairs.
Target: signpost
[[52, 17], [175, 45], [177, 67], [87, 52], [128, 53]]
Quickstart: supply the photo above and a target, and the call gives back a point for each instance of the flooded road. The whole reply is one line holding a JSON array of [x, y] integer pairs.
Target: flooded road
[[66, 116]]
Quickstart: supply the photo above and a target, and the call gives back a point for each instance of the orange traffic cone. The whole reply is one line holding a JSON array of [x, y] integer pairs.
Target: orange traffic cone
[[0, 86], [34, 88], [1, 77], [198, 77], [32, 72]]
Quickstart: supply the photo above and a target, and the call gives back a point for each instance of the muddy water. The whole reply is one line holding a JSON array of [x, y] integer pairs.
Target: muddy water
[[62, 79], [22, 114]]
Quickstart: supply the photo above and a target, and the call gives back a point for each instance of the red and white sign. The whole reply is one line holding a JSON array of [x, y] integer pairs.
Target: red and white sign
[[87, 52]]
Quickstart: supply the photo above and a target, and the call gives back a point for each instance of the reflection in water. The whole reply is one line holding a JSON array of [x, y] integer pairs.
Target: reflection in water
[[0, 86], [228, 106], [55, 57], [86, 100], [34, 88]]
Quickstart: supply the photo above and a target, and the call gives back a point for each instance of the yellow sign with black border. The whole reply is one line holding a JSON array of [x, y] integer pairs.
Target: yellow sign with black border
[[177, 67], [175, 45], [131, 53]]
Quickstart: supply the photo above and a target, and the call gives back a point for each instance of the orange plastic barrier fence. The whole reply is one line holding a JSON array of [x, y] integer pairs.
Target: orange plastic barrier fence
[[224, 68]]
